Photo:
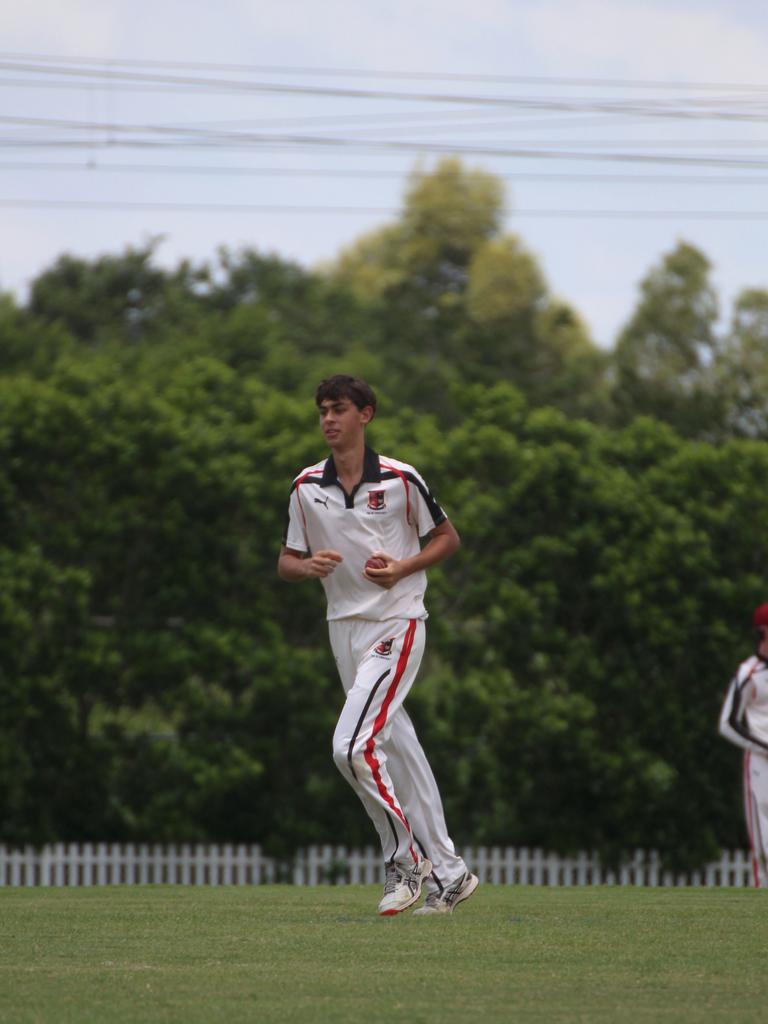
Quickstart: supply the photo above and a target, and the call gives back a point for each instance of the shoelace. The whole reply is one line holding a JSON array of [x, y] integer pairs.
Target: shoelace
[[391, 879], [447, 895]]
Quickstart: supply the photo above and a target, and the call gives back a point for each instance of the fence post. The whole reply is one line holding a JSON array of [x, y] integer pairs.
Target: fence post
[[582, 868], [45, 866], [373, 866], [198, 866], [299, 866], [652, 876], [521, 865], [157, 863], [710, 874], [267, 868], [100, 857], [15, 868], [597, 870], [102, 864], [355, 861], [241, 864], [130, 864], [74, 864], [552, 869], [326, 863], [538, 866], [481, 863], [87, 862], [740, 870], [254, 863], [30, 867], [186, 864], [639, 864], [341, 874], [227, 863], [171, 864], [313, 866], [509, 865], [214, 864], [496, 865]]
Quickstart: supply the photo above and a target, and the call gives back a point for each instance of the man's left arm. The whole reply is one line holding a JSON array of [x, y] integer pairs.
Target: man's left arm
[[443, 542]]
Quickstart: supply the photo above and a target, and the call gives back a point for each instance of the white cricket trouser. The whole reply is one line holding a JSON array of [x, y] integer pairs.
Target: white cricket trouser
[[375, 744], [756, 809]]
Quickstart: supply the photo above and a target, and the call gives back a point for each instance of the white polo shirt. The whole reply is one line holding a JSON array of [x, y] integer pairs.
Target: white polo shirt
[[388, 511]]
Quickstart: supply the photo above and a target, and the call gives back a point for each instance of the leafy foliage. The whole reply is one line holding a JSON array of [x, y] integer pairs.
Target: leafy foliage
[[158, 682]]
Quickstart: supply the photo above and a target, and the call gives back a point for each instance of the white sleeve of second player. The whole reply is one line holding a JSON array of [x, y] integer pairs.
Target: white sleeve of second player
[[426, 513], [732, 725], [295, 536]]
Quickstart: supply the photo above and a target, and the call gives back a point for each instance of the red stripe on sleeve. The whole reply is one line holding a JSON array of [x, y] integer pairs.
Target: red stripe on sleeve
[[404, 482]]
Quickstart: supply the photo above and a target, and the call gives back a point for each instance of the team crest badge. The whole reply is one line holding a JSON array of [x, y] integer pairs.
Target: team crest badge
[[384, 649], [376, 500]]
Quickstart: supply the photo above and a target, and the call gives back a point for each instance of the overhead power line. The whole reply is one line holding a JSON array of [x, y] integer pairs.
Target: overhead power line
[[199, 207], [430, 123], [216, 170], [260, 139], [651, 108], [402, 75]]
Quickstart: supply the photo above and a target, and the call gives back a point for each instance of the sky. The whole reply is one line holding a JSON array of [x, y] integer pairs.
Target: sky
[[619, 128]]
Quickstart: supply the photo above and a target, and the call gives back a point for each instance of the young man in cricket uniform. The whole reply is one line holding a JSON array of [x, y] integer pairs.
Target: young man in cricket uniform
[[744, 721], [354, 523]]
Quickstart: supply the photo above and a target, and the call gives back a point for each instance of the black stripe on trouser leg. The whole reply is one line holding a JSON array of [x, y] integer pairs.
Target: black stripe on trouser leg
[[433, 874], [394, 833], [359, 725]]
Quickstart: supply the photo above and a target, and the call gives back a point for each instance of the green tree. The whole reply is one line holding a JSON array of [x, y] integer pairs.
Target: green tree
[[157, 680], [26, 344], [588, 630], [459, 301], [112, 296], [663, 355], [518, 331], [740, 373]]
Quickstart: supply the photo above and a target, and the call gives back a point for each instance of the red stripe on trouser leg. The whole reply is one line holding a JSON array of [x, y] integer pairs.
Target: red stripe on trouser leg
[[379, 724], [750, 822]]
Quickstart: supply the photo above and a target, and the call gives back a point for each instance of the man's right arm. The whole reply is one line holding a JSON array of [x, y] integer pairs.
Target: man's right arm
[[294, 566]]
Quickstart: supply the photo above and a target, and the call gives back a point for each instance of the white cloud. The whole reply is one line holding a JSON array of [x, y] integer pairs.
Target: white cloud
[[591, 37], [433, 35], [76, 27], [605, 38]]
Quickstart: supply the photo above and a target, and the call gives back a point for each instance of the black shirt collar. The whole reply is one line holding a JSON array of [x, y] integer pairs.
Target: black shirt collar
[[371, 470]]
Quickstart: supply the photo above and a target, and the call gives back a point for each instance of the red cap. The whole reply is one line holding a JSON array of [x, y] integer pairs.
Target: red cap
[[760, 615]]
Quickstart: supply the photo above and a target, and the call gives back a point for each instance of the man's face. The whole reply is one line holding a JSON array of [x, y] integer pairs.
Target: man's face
[[342, 423]]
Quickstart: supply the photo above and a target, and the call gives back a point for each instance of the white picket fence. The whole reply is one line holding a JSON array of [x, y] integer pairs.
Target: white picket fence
[[65, 864]]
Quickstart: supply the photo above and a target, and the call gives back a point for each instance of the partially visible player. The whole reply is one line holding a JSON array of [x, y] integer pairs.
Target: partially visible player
[[744, 721], [354, 523]]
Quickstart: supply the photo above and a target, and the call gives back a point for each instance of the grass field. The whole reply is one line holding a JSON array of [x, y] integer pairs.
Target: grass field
[[290, 954]]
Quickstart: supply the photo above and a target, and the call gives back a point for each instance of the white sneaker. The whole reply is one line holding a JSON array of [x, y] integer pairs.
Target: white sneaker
[[460, 889], [402, 886]]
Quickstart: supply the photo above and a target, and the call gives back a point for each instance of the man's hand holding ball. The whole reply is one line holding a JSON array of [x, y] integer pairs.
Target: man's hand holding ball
[[382, 570]]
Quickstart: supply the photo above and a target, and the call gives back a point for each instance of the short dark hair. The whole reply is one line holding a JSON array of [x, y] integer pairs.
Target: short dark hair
[[343, 386]]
